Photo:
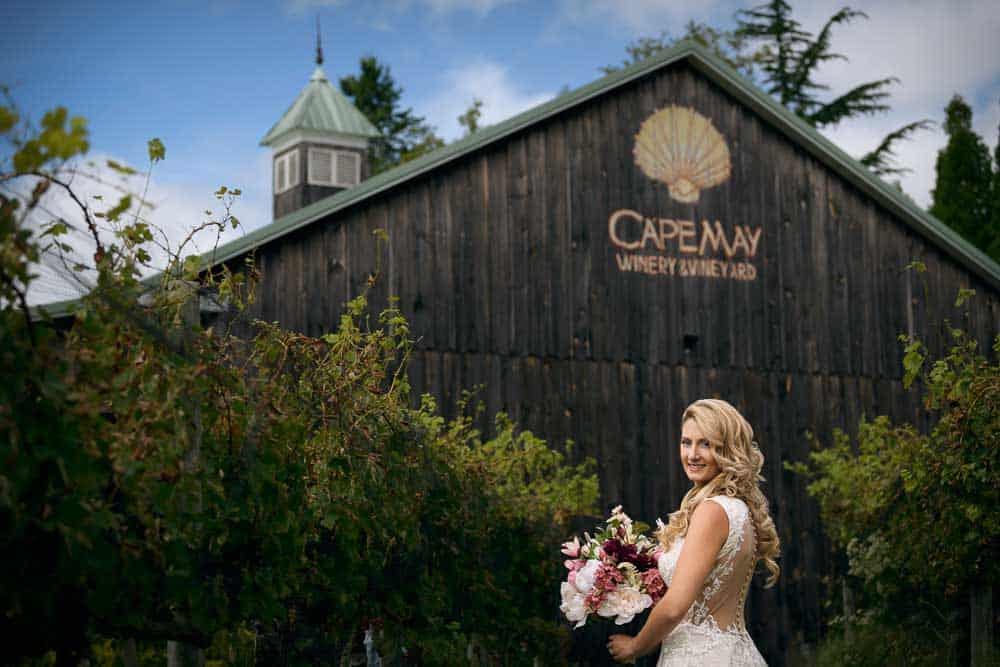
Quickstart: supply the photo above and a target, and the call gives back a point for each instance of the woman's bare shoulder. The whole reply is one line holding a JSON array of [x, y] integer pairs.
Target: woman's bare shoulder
[[709, 519]]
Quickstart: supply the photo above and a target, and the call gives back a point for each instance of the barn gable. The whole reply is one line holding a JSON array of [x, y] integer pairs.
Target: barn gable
[[702, 61]]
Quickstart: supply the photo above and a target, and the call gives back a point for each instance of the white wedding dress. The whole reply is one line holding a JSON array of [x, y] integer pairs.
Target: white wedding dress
[[713, 632]]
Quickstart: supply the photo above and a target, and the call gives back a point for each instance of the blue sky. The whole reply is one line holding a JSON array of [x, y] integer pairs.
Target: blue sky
[[210, 77]]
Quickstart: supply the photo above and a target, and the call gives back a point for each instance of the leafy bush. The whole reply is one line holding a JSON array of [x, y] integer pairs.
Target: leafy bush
[[165, 481], [918, 515], [875, 644]]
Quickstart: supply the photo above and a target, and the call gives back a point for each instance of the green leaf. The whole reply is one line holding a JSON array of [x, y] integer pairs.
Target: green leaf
[[123, 205], [963, 296], [192, 264], [122, 169], [56, 229], [8, 118], [157, 151], [913, 362]]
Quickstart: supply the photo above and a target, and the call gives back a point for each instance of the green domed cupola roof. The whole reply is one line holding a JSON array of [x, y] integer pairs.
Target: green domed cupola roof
[[321, 108]]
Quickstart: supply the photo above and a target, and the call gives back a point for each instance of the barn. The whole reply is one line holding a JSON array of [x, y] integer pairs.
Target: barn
[[665, 233]]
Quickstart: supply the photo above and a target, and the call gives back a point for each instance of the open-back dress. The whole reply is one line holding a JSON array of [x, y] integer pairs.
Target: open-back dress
[[713, 632]]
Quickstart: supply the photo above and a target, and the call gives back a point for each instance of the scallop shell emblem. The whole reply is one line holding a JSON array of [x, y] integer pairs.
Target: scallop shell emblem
[[682, 148]]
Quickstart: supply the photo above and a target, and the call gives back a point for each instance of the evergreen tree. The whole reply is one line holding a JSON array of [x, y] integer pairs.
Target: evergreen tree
[[994, 248], [788, 62], [772, 48], [962, 196], [726, 44], [402, 134], [470, 119]]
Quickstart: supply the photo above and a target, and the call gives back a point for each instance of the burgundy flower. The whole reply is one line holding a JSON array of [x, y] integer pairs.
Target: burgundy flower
[[628, 553]]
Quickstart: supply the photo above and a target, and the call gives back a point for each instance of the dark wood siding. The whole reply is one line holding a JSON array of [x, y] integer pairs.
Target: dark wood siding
[[502, 263]]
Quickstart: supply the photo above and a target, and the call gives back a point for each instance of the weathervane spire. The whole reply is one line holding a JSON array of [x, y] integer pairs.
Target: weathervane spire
[[319, 44]]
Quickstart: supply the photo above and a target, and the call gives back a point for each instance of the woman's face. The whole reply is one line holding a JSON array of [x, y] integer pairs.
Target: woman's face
[[696, 454]]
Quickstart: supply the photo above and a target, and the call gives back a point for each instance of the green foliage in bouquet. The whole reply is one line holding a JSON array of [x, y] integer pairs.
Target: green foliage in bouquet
[[165, 480]]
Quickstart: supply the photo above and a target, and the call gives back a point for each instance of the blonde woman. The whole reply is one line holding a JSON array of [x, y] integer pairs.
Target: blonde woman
[[711, 547]]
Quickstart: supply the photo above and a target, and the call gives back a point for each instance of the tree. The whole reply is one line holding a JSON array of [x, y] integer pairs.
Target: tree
[[431, 142], [788, 61], [962, 195], [401, 132], [994, 248], [470, 119], [772, 48], [726, 44]]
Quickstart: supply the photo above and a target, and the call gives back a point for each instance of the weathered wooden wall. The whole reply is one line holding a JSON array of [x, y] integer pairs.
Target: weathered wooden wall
[[503, 266]]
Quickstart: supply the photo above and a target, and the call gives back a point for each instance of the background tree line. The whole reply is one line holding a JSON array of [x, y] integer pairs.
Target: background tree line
[[403, 136]]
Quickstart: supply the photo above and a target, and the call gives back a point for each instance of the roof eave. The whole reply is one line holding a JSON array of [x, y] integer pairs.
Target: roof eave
[[268, 140]]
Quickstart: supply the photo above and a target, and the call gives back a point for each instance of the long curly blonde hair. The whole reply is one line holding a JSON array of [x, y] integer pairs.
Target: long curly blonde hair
[[740, 462]]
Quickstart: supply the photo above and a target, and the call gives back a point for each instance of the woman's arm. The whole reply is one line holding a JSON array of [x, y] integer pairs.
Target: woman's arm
[[706, 534]]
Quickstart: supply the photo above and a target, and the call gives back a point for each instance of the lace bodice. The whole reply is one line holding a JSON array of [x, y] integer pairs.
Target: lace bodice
[[713, 631]]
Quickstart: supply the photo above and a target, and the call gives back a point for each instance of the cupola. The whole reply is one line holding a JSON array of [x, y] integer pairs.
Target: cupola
[[319, 146]]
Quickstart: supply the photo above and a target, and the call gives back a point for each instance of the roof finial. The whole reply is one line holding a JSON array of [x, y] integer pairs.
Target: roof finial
[[319, 45]]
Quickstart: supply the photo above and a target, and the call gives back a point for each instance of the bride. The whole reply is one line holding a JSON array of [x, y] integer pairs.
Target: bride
[[711, 547]]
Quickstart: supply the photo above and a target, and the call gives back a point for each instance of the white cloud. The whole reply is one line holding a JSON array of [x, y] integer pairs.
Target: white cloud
[[298, 6], [647, 18], [481, 7], [487, 81], [384, 7], [934, 48]]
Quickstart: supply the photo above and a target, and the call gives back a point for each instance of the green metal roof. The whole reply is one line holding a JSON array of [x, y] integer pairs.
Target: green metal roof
[[321, 108], [703, 61]]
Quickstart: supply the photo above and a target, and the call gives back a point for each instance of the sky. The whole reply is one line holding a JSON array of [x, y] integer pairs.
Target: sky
[[209, 78]]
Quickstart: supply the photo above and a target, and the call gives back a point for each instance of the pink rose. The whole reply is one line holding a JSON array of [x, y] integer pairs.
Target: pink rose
[[656, 588]]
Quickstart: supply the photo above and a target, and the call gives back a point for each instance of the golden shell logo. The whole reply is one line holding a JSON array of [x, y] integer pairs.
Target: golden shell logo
[[682, 148]]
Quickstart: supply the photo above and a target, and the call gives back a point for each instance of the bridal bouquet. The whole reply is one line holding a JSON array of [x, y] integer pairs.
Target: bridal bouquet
[[612, 574]]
